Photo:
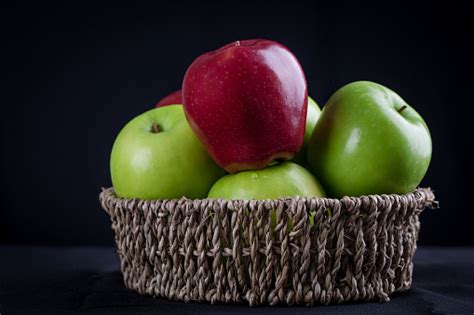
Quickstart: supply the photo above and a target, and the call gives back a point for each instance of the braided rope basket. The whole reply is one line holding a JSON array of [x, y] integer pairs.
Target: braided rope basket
[[230, 251]]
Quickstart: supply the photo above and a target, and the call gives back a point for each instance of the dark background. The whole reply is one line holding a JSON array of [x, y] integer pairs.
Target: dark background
[[74, 75]]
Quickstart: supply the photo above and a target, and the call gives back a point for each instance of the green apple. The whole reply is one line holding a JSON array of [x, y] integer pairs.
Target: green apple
[[157, 156], [286, 179], [368, 140], [312, 116]]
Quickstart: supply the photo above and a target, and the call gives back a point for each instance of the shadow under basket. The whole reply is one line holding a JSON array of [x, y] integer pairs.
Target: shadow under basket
[[319, 251]]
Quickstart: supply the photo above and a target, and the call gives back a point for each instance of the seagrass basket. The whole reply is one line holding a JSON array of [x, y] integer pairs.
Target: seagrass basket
[[320, 251]]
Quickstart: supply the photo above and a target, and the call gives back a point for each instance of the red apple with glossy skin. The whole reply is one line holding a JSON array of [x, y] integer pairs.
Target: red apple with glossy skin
[[170, 99], [247, 103]]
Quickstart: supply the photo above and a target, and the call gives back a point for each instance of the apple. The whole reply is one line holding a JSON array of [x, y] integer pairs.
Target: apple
[[157, 156], [170, 99], [286, 179], [368, 140], [312, 116], [247, 103]]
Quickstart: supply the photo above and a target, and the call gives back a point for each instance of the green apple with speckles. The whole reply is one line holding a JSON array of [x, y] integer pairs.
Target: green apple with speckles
[[286, 179], [157, 156], [312, 115], [368, 140]]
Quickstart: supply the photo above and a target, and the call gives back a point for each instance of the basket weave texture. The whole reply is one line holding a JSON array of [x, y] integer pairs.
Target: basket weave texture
[[230, 251]]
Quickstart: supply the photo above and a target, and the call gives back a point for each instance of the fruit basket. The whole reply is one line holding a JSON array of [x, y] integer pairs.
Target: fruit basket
[[321, 250]]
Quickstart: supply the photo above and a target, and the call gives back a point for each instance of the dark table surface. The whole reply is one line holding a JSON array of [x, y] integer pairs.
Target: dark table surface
[[49, 280]]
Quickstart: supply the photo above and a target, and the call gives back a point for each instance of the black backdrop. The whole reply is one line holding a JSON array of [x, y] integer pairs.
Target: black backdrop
[[74, 75]]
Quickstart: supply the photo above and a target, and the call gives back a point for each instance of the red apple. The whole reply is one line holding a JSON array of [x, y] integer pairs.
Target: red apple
[[170, 99], [247, 103]]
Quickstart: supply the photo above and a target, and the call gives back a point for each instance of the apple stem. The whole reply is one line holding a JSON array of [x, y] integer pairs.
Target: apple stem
[[155, 128], [402, 108]]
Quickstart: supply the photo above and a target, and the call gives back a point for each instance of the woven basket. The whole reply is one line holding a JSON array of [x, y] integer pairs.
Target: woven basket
[[228, 251]]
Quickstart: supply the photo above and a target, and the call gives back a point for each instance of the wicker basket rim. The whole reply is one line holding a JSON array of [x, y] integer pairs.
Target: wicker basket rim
[[425, 192]]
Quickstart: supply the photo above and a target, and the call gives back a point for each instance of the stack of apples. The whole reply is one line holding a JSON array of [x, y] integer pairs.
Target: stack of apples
[[244, 127]]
